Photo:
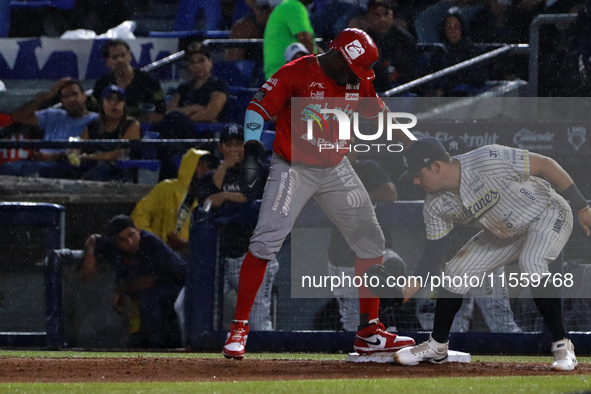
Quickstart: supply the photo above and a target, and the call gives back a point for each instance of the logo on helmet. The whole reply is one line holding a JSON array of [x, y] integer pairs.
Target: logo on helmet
[[354, 49]]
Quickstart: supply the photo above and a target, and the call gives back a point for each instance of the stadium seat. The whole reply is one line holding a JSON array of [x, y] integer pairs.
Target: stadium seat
[[27, 4], [195, 34], [235, 72], [151, 152], [267, 139], [189, 10], [238, 100]]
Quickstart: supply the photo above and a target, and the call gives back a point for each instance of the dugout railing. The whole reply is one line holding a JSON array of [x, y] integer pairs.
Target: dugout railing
[[50, 219], [204, 307]]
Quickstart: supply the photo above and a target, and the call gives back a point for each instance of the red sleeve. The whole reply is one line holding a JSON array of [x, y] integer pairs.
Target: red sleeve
[[274, 93]]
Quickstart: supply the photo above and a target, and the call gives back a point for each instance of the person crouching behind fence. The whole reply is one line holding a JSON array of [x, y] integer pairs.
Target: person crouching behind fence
[[149, 271]]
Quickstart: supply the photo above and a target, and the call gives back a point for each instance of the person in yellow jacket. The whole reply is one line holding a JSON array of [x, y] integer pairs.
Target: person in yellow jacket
[[157, 211]]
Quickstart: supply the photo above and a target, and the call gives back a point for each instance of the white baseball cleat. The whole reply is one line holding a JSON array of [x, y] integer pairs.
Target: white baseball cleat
[[564, 355], [430, 351], [236, 341]]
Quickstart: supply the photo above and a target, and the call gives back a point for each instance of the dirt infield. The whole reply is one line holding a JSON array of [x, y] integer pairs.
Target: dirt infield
[[149, 369]]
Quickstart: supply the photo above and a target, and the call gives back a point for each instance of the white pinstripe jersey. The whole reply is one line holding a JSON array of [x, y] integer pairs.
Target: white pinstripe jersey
[[497, 193]]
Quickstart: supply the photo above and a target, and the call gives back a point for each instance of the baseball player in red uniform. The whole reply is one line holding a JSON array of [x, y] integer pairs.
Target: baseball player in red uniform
[[507, 193], [300, 170]]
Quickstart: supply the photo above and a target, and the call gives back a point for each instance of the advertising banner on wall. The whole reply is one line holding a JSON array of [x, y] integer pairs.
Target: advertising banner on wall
[[54, 58]]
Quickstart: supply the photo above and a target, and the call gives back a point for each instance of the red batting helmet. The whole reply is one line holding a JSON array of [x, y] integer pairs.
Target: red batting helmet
[[359, 50]]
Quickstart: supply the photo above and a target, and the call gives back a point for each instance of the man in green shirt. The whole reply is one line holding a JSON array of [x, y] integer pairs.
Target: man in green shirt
[[288, 23]]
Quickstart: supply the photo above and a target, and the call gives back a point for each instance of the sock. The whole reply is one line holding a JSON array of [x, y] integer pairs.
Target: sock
[[551, 311], [252, 273], [448, 304], [369, 305]]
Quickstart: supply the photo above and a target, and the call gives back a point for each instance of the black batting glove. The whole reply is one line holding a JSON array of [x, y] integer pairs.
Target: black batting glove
[[251, 168]]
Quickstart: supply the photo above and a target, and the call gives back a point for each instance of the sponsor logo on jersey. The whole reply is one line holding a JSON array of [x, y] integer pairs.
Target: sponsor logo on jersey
[[270, 83], [317, 95], [285, 189], [317, 85], [528, 194], [253, 126], [464, 217], [354, 49], [259, 96], [352, 96], [346, 174], [559, 223], [484, 203]]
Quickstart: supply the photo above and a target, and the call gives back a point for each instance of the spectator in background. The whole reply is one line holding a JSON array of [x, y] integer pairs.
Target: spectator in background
[[334, 15], [202, 99], [55, 124], [112, 124], [145, 100], [157, 211], [98, 15], [428, 21], [398, 61], [457, 48], [295, 51], [289, 22], [218, 14], [149, 271], [251, 26], [221, 189]]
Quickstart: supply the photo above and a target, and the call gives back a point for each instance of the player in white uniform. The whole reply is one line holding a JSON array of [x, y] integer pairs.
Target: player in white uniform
[[499, 190]]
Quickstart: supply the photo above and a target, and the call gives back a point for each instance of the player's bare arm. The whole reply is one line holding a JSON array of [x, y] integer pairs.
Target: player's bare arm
[[89, 267], [551, 171], [25, 114], [431, 261]]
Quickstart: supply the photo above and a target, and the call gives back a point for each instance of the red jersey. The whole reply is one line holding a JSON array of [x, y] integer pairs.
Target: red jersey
[[304, 79]]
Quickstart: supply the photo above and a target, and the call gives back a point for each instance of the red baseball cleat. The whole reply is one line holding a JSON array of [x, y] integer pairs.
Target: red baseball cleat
[[236, 341], [374, 338]]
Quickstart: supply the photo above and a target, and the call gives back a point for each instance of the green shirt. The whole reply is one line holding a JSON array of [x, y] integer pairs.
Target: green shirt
[[288, 19]]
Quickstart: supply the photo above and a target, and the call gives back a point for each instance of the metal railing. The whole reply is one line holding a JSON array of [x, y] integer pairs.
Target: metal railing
[[534, 42], [516, 48], [105, 144]]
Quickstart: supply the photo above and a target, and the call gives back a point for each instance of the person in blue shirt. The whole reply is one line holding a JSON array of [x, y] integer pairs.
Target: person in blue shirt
[[148, 271], [54, 124]]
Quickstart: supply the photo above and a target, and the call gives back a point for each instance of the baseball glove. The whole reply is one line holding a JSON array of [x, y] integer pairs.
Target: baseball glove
[[389, 295], [251, 169]]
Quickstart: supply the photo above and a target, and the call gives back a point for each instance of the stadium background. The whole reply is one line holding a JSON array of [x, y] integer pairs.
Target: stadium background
[[29, 65]]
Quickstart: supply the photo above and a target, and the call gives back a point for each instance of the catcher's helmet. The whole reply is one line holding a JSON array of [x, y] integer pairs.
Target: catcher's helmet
[[359, 50]]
